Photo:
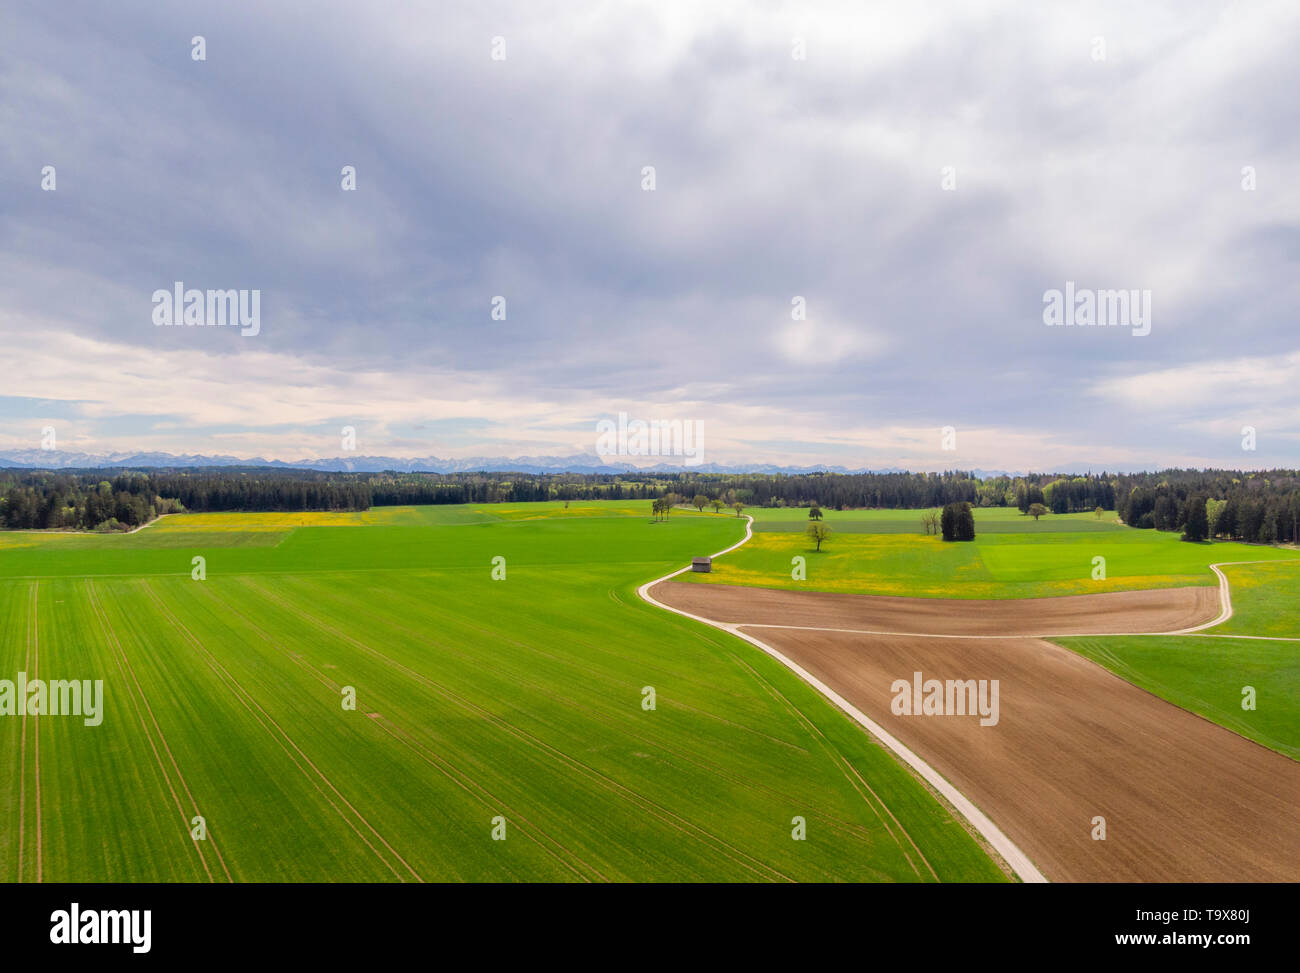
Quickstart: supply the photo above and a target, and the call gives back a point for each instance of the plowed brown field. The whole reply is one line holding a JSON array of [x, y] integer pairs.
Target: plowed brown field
[[1183, 798]]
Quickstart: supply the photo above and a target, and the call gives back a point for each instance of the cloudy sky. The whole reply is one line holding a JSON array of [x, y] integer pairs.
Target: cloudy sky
[[918, 174]]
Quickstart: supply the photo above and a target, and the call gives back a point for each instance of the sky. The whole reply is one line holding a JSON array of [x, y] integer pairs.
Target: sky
[[820, 232]]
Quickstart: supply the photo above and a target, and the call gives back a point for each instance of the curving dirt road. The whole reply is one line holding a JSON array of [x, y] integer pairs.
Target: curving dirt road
[[1183, 799]]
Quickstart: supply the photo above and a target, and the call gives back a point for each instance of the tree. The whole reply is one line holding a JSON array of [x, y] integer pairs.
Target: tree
[[738, 507], [1166, 511], [699, 502], [1098, 512], [1227, 521], [1197, 527], [716, 504], [1212, 510], [957, 522], [930, 521], [814, 512], [817, 533], [965, 522], [1028, 494], [1036, 510], [1059, 499]]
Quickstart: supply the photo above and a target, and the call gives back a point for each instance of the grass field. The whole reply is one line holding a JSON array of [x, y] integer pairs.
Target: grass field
[[990, 520], [476, 698], [1206, 675], [1019, 561]]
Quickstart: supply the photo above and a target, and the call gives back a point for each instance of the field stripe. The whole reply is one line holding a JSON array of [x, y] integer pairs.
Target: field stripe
[[440, 763], [604, 716], [22, 752], [490, 801], [848, 770], [31, 664], [255, 708], [130, 677], [585, 673], [609, 784], [36, 726]]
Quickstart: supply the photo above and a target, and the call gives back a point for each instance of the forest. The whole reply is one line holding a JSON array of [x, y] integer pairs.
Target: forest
[[1261, 506]]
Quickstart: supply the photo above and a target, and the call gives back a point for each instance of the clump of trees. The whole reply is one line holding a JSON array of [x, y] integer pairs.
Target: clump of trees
[[661, 507], [1258, 507], [68, 502], [957, 522]]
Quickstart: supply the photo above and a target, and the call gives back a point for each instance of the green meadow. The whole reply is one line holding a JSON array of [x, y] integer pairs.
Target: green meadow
[[989, 520], [1208, 673], [484, 707], [1012, 556]]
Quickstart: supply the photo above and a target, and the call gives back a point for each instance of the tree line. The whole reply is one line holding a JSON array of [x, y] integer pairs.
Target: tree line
[[1255, 507], [1259, 506]]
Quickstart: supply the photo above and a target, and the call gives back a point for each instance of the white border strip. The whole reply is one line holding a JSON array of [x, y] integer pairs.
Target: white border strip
[[1005, 847]]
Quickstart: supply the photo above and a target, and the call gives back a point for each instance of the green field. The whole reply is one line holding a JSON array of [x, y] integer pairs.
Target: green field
[[1021, 560], [476, 699], [865, 554], [1206, 675], [990, 520]]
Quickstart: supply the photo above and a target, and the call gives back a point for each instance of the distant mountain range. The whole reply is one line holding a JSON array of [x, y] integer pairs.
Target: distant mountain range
[[37, 459]]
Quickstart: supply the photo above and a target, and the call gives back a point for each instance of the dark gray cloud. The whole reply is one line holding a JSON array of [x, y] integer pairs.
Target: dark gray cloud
[[776, 178]]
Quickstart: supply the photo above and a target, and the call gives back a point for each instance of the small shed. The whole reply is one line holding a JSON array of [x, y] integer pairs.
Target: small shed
[[702, 564]]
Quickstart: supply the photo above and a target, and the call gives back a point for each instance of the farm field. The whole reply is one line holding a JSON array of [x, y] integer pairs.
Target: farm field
[[1206, 674], [990, 520], [1015, 563], [477, 699], [1201, 673], [1199, 802]]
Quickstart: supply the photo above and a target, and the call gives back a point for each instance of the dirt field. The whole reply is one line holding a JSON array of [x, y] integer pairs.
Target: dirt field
[[1118, 612], [1183, 799]]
